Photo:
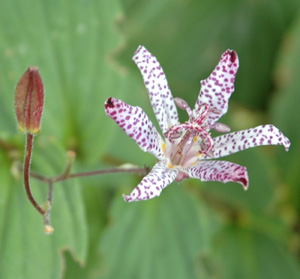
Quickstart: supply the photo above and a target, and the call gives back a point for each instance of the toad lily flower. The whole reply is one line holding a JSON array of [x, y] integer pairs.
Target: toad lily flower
[[187, 149]]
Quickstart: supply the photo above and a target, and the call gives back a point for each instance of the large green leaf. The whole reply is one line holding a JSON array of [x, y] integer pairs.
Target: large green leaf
[[285, 107], [72, 44], [188, 38], [165, 237], [26, 252], [246, 254]]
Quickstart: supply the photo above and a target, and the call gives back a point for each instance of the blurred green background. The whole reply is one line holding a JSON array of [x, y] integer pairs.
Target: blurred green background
[[83, 49]]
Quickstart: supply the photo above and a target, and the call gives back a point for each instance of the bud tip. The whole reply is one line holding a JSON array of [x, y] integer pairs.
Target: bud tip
[[29, 101]]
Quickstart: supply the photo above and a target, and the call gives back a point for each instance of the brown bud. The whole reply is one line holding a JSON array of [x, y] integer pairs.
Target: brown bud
[[29, 101]]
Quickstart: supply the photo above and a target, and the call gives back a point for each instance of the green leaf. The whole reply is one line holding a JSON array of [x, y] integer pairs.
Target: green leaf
[[26, 251], [165, 237], [188, 38], [285, 108], [72, 44], [243, 253]]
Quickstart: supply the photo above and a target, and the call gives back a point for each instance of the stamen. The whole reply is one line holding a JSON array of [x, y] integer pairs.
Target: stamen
[[175, 132], [204, 109], [183, 148], [210, 154], [189, 141], [175, 136], [184, 106], [220, 127], [216, 111], [207, 142], [181, 103]]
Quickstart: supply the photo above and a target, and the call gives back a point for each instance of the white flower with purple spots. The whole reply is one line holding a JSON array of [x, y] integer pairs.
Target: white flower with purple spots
[[187, 149]]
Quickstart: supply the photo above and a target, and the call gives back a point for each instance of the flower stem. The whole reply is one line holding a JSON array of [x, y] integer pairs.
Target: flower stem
[[47, 216], [98, 172], [63, 177], [29, 145]]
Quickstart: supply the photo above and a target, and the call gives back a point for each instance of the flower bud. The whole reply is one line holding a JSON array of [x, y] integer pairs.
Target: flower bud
[[29, 101]]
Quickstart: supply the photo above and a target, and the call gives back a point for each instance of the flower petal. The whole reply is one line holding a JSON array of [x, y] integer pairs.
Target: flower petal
[[218, 87], [222, 171], [237, 141], [157, 86], [136, 124], [152, 184]]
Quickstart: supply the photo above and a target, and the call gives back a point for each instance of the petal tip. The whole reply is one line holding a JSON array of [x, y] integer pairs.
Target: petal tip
[[244, 181], [287, 145], [109, 103], [127, 198], [233, 55], [137, 52], [246, 187], [242, 178]]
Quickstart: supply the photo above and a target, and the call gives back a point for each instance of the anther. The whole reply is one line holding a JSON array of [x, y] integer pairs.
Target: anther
[[220, 127]]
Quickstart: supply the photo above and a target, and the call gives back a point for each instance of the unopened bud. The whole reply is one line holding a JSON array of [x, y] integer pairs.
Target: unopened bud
[[29, 101]]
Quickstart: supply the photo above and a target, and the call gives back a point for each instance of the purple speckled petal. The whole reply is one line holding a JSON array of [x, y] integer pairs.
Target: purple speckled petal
[[237, 141], [218, 87], [136, 124], [157, 86], [222, 171], [152, 184]]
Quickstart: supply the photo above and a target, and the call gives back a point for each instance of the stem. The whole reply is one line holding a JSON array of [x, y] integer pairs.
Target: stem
[[71, 157], [50, 193], [47, 222], [97, 172], [63, 176], [29, 145]]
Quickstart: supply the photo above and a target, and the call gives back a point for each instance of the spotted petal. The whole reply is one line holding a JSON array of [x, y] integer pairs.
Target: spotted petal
[[237, 141], [222, 171], [157, 86], [136, 124], [218, 87], [152, 184]]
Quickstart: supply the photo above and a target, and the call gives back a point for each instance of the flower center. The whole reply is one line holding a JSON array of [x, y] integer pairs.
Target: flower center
[[188, 141], [189, 147]]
